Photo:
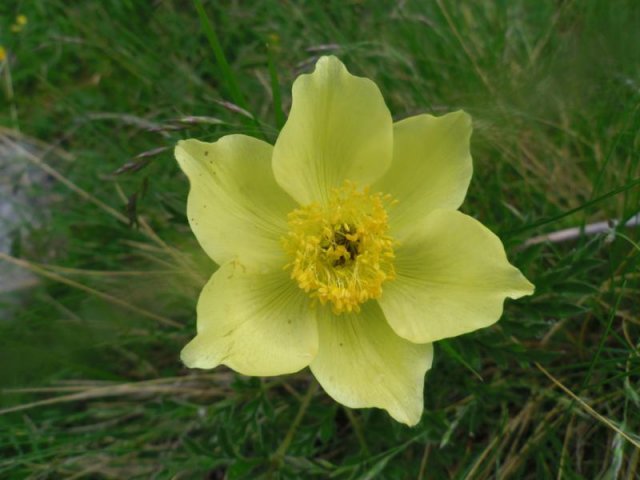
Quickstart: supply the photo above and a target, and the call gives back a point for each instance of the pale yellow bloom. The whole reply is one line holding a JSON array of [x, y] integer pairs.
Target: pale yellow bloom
[[341, 247], [21, 21]]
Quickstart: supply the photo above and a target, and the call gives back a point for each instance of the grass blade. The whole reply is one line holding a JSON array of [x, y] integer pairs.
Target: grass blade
[[275, 86], [221, 59]]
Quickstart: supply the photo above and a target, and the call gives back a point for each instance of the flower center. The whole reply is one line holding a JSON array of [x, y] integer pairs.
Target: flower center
[[341, 251]]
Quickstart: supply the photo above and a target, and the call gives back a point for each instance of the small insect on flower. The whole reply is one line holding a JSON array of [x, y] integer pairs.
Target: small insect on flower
[[341, 247]]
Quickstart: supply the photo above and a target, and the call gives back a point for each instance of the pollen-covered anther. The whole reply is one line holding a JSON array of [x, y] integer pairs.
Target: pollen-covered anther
[[341, 251]]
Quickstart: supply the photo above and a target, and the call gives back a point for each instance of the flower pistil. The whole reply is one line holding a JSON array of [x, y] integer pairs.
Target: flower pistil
[[342, 252]]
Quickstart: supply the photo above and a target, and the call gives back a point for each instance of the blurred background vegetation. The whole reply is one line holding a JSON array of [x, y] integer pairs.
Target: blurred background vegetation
[[99, 273]]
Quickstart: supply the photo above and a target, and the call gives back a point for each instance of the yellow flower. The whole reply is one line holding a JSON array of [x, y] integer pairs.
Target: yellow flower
[[3, 54], [21, 21], [341, 247]]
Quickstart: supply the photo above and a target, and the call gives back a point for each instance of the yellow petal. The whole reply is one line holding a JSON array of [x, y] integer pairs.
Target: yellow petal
[[257, 324], [235, 207], [362, 363], [431, 168], [339, 129], [452, 278]]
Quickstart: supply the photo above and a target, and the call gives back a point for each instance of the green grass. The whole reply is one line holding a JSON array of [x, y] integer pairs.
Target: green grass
[[92, 385]]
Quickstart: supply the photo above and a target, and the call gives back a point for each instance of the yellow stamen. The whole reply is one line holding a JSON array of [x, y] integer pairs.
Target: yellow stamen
[[341, 252]]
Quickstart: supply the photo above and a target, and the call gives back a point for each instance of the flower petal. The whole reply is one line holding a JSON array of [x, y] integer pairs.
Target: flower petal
[[431, 168], [255, 323], [362, 363], [339, 129], [235, 207], [452, 278]]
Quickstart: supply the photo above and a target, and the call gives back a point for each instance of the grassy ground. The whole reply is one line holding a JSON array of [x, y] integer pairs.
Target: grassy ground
[[92, 386]]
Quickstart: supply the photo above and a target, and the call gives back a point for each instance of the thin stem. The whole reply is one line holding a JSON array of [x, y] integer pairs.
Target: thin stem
[[357, 428], [223, 64], [423, 462], [588, 408], [275, 86], [8, 84], [590, 203], [221, 59], [278, 456], [104, 296]]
